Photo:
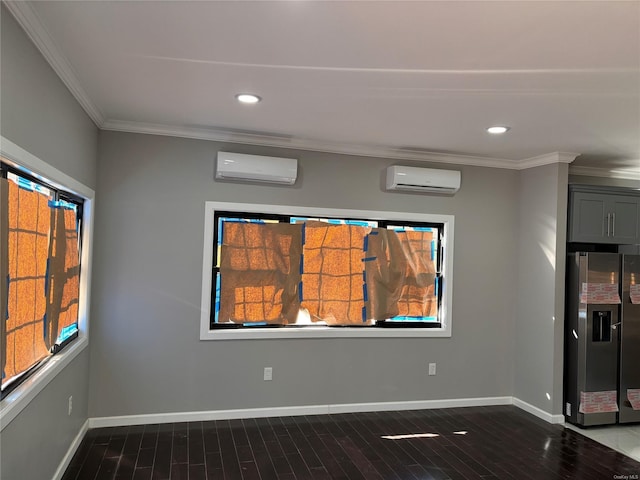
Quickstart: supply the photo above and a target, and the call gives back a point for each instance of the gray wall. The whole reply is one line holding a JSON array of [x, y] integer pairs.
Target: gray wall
[[146, 356], [39, 114], [35, 442], [539, 317]]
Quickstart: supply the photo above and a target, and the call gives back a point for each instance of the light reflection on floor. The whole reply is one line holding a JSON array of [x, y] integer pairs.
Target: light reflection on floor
[[622, 438], [419, 435], [410, 435]]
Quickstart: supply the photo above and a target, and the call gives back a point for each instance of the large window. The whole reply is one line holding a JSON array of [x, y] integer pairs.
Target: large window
[[40, 250], [276, 270]]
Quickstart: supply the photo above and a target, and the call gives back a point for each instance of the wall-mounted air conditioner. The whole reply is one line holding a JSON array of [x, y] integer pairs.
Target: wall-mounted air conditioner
[[256, 168], [417, 179]]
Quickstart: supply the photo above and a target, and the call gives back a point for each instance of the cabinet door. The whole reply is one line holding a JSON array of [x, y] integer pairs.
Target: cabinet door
[[589, 218], [624, 219]]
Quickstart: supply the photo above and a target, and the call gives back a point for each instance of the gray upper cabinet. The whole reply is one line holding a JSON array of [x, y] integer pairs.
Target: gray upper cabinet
[[624, 219], [603, 217]]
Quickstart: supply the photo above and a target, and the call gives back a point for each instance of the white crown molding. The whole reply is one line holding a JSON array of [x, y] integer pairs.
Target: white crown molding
[[547, 159], [31, 24], [221, 135], [605, 172]]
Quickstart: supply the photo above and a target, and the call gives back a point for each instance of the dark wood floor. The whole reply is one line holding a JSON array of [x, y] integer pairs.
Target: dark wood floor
[[500, 442]]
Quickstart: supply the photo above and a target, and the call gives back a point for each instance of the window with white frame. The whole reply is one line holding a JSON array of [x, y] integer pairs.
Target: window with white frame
[[278, 269], [40, 246]]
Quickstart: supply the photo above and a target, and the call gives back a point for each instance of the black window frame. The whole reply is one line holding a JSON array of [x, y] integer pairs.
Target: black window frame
[[286, 218]]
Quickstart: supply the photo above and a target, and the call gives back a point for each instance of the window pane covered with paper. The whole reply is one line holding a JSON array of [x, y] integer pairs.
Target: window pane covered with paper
[[333, 283], [386, 275], [259, 272], [28, 228], [418, 296], [40, 274], [402, 281], [64, 273]]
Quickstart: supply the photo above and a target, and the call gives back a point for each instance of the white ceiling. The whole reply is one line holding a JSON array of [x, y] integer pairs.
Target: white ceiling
[[417, 80]]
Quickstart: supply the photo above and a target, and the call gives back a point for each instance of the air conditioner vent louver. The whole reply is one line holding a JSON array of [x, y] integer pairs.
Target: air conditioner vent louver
[[419, 179], [420, 187]]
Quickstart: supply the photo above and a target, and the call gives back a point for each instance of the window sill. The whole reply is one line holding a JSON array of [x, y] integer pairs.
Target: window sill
[[19, 399], [323, 332]]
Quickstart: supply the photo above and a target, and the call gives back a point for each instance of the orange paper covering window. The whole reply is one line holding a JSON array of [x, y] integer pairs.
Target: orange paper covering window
[[260, 272], [418, 296], [29, 222], [401, 281], [64, 273], [332, 278]]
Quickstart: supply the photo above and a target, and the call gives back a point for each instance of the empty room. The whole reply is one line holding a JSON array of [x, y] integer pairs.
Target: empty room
[[320, 240]]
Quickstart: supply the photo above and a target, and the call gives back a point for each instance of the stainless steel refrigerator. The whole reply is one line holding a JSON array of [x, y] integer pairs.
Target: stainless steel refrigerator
[[602, 339]]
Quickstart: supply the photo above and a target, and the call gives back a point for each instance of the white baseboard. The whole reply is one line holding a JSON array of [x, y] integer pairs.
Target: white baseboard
[[71, 451], [175, 417], [293, 411], [546, 416], [418, 405]]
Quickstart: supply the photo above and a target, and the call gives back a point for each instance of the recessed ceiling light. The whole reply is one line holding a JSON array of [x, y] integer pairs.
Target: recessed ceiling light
[[247, 98], [498, 129]]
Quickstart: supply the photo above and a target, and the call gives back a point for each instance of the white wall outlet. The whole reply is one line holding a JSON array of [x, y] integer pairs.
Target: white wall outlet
[[268, 374], [70, 405], [432, 369]]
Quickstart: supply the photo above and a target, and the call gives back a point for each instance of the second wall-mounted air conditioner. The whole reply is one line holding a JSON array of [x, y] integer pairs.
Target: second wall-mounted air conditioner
[[256, 168], [418, 179]]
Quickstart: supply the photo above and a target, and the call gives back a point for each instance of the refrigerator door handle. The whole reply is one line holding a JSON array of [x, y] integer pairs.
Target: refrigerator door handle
[[608, 224]]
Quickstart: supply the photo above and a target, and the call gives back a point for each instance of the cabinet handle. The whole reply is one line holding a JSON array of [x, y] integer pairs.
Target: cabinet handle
[[613, 224], [608, 224]]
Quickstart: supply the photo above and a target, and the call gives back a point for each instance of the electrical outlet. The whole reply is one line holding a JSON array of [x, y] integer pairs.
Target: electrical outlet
[[268, 374], [432, 369], [70, 405]]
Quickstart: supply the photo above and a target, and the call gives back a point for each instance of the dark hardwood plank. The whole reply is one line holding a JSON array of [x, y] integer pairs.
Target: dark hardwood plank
[[126, 466], [92, 463]]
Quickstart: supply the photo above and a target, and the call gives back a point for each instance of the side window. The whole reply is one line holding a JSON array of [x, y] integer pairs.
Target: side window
[[40, 248]]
